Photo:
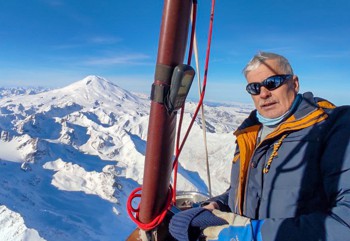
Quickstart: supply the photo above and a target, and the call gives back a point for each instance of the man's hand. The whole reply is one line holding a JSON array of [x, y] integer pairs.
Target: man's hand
[[239, 228], [187, 225], [211, 206]]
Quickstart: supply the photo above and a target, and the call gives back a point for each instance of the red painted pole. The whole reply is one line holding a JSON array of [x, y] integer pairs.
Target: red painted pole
[[162, 126]]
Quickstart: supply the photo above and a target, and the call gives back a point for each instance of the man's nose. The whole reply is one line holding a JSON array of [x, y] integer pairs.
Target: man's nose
[[264, 93]]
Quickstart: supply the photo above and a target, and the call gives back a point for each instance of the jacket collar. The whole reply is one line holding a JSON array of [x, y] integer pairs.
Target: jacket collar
[[309, 112]]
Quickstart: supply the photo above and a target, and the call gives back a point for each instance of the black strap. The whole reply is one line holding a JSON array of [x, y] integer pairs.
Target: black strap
[[160, 88]]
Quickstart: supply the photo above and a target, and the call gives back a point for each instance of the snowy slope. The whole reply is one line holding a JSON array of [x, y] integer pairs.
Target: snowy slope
[[70, 157], [14, 91]]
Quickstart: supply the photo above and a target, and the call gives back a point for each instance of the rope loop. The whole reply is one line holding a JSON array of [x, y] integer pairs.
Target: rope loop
[[134, 212]]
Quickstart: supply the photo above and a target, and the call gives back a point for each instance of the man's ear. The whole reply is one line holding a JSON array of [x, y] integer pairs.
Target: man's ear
[[296, 83]]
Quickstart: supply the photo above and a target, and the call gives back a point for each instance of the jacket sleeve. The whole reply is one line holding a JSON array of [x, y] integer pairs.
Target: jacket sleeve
[[332, 224]]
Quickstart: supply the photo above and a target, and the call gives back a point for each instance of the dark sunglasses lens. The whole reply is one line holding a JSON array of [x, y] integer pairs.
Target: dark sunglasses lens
[[270, 83], [273, 82], [253, 88]]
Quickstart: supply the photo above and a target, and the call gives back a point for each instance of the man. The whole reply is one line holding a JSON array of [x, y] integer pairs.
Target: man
[[290, 176]]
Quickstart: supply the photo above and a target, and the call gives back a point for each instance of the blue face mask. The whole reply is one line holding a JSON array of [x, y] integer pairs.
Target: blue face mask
[[275, 121]]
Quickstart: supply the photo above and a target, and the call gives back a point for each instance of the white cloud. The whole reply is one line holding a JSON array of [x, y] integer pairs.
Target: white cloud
[[130, 59], [104, 40]]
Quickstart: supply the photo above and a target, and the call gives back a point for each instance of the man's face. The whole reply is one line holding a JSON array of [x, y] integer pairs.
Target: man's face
[[273, 103]]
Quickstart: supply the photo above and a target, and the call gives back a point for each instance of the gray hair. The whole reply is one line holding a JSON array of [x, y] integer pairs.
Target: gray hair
[[261, 57]]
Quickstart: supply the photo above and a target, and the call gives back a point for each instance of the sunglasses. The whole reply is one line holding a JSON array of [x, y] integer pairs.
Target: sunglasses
[[271, 83]]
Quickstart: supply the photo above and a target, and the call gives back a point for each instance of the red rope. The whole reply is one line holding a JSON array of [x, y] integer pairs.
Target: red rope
[[200, 103], [171, 198], [134, 212], [177, 148]]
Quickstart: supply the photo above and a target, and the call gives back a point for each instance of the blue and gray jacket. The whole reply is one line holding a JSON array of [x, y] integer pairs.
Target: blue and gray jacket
[[297, 179]]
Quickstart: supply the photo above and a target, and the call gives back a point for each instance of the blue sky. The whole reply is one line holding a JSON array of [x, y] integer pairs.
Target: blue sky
[[53, 43]]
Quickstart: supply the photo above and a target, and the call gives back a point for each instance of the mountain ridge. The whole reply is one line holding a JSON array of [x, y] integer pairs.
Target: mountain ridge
[[74, 154]]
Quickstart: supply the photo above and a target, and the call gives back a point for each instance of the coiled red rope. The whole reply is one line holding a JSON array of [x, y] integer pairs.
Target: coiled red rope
[[157, 220]]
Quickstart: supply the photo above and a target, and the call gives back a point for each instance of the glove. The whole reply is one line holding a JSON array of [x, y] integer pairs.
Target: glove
[[238, 228], [187, 225]]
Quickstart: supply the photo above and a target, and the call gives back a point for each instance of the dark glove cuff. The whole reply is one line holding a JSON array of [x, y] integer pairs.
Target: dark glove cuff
[[180, 223], [206, 219]]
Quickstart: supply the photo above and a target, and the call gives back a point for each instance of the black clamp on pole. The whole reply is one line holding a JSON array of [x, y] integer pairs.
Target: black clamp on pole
[[161, 85]]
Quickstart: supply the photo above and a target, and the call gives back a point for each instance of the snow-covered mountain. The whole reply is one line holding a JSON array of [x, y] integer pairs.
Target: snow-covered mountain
[[70, 157], [14, 91]]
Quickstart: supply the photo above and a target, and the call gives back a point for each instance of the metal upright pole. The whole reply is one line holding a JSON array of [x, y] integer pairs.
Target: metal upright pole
[[162, 126]]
